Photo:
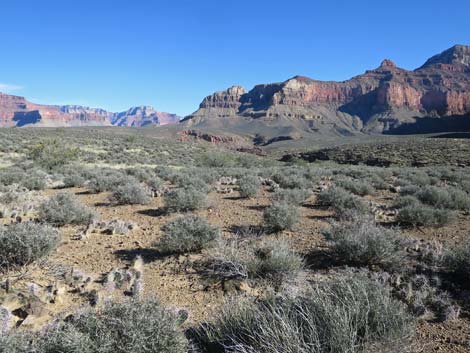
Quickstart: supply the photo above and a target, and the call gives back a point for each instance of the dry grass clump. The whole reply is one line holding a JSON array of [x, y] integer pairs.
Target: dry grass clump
[[273, 260], [363, 243], [342, 316], [129, 326]]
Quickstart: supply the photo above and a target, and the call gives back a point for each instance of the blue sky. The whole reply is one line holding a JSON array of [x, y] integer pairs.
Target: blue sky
[[171, 54]]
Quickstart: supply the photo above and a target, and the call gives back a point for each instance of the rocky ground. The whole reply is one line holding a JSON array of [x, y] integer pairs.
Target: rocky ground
[[74, 275]]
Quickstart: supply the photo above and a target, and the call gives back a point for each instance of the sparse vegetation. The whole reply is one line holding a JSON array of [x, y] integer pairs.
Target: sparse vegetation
[[289, 291]]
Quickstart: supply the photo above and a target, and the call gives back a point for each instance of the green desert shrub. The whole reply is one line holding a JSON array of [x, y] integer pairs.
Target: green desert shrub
[[184, 199], [291, 179], [341, 201], [291, 196], [105, 180], [216, 159], [187, 181], [248, 186], [130, 193], [64, 208], [280, 216], [143, 175], [457, 261], [187, 233], [34, 179], [52, 154], [405, 201], [11, 175], [363, 243], [416, 177], [23, 243], [465, 185], [342, 316], [450, 198], [73, 180], [357, 187], [422, 215], [129, 326], [156, 183]]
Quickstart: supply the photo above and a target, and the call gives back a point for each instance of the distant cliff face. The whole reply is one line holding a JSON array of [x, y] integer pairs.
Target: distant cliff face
[[378, 100], [17, 111], [144, 116]]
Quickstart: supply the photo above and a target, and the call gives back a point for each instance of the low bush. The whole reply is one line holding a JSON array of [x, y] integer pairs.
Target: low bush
[[52, 154], [341, 316], [422, 215], [73, 180], [143, 175], [457, 261], [34, 180], [444, 197], [187, 181], [187, 233], [184, 199], [233, 260], [64, 208], [248, 186], [105, 180], [291, 179], [357, 187], [23, 243], [341, 201], [276, 261], [363, 243], [130, 193], [405, 201], [129, 326], [291, 196], [280, 216]]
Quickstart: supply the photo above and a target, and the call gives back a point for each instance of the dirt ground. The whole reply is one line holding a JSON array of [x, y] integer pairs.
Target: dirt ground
[[178, 285]]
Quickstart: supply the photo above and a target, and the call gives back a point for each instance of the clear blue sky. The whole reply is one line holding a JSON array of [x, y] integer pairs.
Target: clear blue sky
[[171, 54]]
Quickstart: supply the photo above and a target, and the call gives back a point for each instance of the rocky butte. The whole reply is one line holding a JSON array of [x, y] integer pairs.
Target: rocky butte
[[17, 111], [386, 99]]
